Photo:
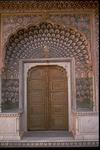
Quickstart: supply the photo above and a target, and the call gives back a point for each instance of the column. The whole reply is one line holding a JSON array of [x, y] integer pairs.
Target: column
[[1, 64], [0, 95]]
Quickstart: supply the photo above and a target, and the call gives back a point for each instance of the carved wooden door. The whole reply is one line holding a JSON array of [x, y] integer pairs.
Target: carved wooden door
[[47, 98], [57, 98], [36, 99]]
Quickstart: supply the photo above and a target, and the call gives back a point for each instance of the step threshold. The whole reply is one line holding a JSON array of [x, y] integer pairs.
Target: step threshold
[[47, 135]]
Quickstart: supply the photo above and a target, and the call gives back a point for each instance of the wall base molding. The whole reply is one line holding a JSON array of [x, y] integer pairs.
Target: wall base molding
[[50, 144]]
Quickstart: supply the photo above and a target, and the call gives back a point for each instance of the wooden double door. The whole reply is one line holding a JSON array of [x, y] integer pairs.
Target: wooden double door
[[47, 101]]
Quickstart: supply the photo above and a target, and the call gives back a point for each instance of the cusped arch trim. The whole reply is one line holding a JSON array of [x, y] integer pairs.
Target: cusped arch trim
[[62, 27]]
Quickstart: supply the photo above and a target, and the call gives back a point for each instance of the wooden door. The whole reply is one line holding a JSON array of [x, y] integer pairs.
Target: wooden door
[[58, 98], [47, 98], [36, 99]]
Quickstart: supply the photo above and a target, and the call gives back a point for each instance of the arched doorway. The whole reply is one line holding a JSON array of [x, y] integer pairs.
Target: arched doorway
[[47, 102], [61, 42]]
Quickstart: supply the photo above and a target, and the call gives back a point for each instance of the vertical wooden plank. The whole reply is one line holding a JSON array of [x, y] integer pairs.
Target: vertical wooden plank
[[58, 98], [36, 99]]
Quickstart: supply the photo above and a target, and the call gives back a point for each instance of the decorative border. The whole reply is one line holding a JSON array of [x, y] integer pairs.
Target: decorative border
[[10, 114], [46, 61], [51, 144], [86, 113], [47, 5]]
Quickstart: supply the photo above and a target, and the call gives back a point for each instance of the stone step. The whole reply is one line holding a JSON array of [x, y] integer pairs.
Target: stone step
[[47, 135]]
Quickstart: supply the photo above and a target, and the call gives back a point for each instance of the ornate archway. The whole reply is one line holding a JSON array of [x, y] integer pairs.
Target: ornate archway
[[28, 43]]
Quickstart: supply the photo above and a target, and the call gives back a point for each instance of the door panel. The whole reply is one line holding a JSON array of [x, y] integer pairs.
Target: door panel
[[47, 98], [58, 98], [57, 84], [37, 84], [36, 99]]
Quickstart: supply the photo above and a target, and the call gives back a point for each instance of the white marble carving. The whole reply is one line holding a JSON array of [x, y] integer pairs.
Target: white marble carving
[[86, 126], [10, 126]]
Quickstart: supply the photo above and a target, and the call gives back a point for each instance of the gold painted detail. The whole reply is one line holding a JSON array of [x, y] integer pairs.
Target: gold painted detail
[[46, 52]]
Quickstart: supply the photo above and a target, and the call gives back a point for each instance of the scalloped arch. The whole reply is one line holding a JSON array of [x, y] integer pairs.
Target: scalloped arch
[[28, 43]]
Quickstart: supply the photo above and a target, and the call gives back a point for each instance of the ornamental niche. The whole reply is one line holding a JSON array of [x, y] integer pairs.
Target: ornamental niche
[[28, 43]]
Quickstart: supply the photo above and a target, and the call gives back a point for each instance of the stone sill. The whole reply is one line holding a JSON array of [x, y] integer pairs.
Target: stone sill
[[13, 112], [85, 113]]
